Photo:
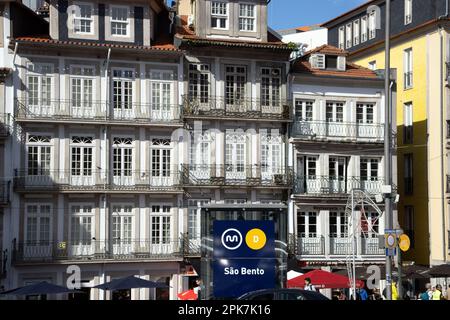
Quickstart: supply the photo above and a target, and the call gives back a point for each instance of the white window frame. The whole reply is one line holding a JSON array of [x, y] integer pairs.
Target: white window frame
[[308, 215], [408, 114], [160, 215], [364, 28], [317, 61], [274, 90], [123, 176], [408, 68], [306, 108], [341, 35], [39, 214], [127, 22], [373, 65], [370, 162], [161, 109], [372, 25], [77, 9], [123, 214], [86, 104], [349, 35], [82, 214], [219, 16], [272, 155], [83, 146], [247, 18], [121, 109], [44, 105], [356, 32], [194, 211], [235, 165], [161, 173], [40, 145], [335, 105], [408, 11], [365, 106], [339, 215]]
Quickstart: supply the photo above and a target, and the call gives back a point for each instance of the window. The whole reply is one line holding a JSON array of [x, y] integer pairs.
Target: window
[[39, 154], [335, 112], [348, 36], [38, 225], [373, 65], [271, 155], [236, 80], [364, 27], [123, 161], [82, 95], [356, 32], [39, 89], [317, 61], [81, 163], [194, 218], [364, 113], [408, 174], [372, 25], [235, 148], [200, 153], [337, 168], [307, 224], [369, 169], [341, 38], [122, 85], [408, 124], [247, 17], [81, 225], [408, 68], [408, 11], [270, 87], [119, 21], [409, 223], [304, 110], [219, 15], [122, 227], [161, 96], [160, 224], [311, 167], [199, 82], [82, 18], [161, 162], [338, 224]]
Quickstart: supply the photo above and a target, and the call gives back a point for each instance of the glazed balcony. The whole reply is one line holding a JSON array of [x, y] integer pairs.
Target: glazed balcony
[[5, 122], [337, 131], [97, 112], [96, 250], [236, 176], [96, 181], [326, 185], [5, 187], [236, 108], [320, 247]]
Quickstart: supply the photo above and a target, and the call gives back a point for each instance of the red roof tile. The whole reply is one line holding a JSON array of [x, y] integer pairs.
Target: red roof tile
[[327, 49]]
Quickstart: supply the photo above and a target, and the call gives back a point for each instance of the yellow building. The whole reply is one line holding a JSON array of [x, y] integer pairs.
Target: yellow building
[[419, 52]]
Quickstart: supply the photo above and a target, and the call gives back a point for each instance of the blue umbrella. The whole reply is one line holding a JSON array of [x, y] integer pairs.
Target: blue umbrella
[[130, 282], [38, 289]]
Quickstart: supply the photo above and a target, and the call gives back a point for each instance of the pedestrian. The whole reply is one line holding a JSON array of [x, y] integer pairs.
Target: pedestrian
[[308, 285], [342, 295], [394, 290], [448, 292], [363, 294], [198, 290], [437, 293], [426, 295]]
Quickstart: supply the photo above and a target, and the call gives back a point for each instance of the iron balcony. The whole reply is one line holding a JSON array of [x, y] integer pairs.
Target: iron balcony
[[321, 247], [87, 180], [97, 112], [241, 108], [338, 131], [235, 175], [326, 185], [97, 250]]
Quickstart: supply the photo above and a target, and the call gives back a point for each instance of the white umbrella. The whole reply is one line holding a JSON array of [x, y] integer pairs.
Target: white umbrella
[[293, 274]]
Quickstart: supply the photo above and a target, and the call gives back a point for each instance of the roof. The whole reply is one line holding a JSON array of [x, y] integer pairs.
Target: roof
[[353, 71], [329, 22], [308, 28], [327, 49], [183, 32], [46, 40]]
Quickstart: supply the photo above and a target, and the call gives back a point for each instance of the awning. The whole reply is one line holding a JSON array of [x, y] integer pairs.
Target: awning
[[323, 280], [130, 282], [38, 289]]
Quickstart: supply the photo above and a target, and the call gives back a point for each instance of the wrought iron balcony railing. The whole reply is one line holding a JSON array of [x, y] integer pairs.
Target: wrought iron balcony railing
[[236, 175], [326, 185], [316, 246], [100, 180], [94, 250], [5, 122], [97, 111], [191, 245], [5, 187], [321, 130], [238, 108]]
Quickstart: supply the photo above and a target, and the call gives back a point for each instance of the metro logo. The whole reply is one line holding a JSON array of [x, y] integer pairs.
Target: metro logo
[[231, 239]]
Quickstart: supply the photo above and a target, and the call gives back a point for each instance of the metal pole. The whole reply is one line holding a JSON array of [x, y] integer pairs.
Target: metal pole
[[387, 144], [354, 245], [400, 274]]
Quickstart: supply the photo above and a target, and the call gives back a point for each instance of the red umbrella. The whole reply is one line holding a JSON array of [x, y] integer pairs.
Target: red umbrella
[[324, 280], [187, 295]]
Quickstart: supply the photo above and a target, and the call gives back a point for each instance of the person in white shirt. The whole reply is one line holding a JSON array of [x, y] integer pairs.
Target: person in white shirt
[[308, 285]]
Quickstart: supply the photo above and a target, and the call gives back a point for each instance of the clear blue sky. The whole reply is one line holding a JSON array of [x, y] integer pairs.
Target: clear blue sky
[[285, 14]]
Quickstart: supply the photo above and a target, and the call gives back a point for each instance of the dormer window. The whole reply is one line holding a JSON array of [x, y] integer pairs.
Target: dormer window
[[318, 61], [247, 17], [82, 18], [219, 15], [119, 21]]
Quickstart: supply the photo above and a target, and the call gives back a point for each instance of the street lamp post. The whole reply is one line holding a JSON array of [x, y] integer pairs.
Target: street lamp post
[[387, 146]]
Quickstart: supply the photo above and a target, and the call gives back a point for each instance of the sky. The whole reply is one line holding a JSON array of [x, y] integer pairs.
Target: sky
[[285, 14]]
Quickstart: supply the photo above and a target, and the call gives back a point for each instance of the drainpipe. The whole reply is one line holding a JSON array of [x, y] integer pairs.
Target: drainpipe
[[446, 11], [444, 247]]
